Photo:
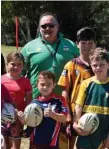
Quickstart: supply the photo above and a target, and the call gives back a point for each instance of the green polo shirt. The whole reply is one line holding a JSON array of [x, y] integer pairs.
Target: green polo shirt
[[38, 56]]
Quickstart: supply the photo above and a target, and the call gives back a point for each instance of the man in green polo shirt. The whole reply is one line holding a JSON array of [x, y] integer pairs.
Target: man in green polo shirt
[[49, 51]]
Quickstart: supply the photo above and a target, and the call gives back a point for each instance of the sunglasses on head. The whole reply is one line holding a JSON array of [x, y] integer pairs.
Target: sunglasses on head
[[48, 25]]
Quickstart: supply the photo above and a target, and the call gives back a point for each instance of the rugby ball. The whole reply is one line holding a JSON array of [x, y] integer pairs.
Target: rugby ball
[[33, 115], [89, 122], [8, 114], [3, 143]]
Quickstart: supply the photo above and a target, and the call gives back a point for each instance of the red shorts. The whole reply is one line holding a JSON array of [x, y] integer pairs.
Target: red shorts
[[15, 130]]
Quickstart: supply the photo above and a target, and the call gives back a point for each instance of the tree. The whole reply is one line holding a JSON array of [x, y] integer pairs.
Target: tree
[[72, 16]]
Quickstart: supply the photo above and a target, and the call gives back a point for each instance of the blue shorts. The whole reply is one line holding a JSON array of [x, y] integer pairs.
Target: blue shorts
[[42, 146]]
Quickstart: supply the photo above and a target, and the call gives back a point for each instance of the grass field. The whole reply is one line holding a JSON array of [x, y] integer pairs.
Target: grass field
[[7, 49]]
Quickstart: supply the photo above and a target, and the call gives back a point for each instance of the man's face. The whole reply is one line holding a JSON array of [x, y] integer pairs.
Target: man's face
[[48, 28]]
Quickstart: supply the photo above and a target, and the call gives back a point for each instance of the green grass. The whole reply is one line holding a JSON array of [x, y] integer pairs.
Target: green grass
[[7, 49]]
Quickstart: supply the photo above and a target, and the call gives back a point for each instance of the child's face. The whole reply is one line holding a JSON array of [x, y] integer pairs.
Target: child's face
[[15, 67], [85, 47], [45, 86], [100, 69]]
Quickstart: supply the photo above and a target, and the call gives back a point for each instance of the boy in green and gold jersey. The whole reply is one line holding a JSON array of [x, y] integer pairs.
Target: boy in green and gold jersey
[[93, 97]]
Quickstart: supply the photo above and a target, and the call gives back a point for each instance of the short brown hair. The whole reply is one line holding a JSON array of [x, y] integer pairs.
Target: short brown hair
[[86, 33], [48, 14], [99, 54], [14, 55], [47, 74]]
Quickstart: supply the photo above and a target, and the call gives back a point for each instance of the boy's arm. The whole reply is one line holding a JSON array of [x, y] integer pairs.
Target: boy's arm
[[79, 108], [77, 115], [65, 95], [65, 82]]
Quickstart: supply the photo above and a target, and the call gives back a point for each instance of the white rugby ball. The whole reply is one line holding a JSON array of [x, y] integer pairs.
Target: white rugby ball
[[89, 122], [8, 114], [33, 115], [3, 143]]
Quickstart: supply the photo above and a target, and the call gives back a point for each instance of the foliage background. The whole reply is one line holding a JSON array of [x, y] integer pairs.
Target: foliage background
[[72, 16]]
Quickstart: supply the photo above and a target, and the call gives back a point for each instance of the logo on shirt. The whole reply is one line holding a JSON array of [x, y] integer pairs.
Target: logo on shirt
[[45, 105], [38, 49], [66, 48], [77, 72], [64, 73]]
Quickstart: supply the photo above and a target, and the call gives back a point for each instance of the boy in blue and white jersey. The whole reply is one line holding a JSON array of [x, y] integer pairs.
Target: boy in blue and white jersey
[[46, 135]]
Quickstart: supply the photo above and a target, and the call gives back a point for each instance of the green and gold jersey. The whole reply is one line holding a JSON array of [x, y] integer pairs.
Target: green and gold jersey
[[94, 98]]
